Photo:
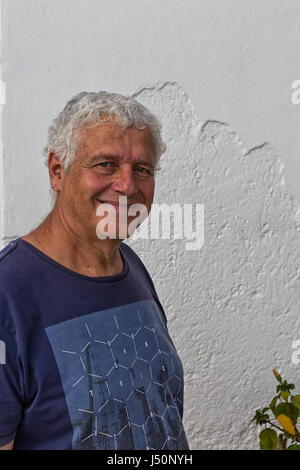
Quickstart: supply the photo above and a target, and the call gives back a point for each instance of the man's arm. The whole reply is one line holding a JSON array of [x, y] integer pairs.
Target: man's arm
[[8, 446], [12, 395]]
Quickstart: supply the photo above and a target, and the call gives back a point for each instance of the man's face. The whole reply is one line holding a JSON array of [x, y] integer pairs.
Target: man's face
[[110, 162]]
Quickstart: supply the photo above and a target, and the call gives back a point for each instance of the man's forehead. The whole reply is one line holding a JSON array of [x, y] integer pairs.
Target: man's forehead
[[113, 138], [111, 132]]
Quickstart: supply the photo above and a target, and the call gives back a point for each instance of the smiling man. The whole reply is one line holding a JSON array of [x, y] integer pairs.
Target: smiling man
[[89, 361]]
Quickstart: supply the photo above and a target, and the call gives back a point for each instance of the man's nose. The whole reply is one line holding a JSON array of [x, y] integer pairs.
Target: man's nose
[[125, 182]]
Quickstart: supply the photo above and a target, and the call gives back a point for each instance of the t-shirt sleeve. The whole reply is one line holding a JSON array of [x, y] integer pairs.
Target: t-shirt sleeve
[[11, 395]]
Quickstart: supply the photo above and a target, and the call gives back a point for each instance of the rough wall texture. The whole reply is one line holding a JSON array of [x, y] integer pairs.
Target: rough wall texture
[[233, 306]]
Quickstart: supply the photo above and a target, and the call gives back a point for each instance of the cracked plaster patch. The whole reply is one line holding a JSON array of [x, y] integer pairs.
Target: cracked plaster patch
[[233, 306]]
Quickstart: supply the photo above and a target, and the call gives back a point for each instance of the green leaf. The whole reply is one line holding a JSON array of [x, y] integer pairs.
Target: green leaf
[[296, 401], [260, 417], [282, 408], [294, 413], [287, 409], [285, 394], [268, 439], [293, 447], [273, 402]]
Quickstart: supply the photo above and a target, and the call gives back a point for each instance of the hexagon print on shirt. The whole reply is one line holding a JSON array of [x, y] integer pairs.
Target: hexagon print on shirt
[[122, 379]]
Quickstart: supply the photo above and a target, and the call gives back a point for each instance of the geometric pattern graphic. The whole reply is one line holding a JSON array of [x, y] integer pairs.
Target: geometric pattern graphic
[[122, 379]]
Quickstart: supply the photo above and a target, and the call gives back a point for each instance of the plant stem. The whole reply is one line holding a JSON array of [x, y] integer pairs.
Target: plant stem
[[277, 427]]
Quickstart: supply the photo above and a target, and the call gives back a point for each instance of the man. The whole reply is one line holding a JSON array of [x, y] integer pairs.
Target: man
[[89, 363]]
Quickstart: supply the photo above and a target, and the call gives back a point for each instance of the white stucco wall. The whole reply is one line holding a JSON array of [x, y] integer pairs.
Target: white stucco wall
[[218, 74]]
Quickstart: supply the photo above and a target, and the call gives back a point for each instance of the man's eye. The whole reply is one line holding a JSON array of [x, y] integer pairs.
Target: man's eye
[[144, 171], [105, 164], [105, 167]]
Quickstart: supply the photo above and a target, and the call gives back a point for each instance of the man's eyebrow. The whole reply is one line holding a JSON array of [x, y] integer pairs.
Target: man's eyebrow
[[104, 155], [100, 156]]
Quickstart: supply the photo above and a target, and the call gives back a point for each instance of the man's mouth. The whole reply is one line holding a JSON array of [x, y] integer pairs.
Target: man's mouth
[[115, 204]]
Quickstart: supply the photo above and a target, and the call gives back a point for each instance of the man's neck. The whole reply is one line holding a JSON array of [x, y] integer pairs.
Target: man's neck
[[89, 257]]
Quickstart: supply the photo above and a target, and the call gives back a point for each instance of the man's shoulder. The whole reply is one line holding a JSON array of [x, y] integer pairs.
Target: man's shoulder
[[138, 266], [12, 264], [9, 288], [126, 249], [135, 261], [8, 259], [8, 249], [130, 255]]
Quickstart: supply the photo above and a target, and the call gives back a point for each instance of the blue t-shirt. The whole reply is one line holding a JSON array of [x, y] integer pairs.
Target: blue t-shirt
[[85, 362]]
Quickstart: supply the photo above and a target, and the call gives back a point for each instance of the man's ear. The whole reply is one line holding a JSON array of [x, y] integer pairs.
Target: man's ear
[[56, 172]]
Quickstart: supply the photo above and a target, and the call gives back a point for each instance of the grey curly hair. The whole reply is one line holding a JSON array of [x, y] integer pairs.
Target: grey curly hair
[[88, 108]]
